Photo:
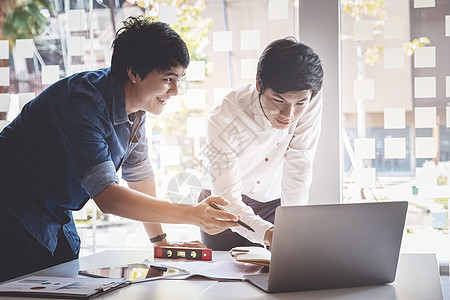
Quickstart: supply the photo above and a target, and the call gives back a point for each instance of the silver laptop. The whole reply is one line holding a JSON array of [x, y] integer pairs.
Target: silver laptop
[[334, 246]]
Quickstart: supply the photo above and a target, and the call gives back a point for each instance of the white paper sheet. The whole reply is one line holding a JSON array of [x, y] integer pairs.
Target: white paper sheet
[[426, 147], [394, 118], [365, 148], [425, 57], [425, 117], [75, 46], [50, 74], [424, 3], [363, 30], [5, 100], [447, 25], [168, 14], [365, 178], [3, 124], [4, 49], [394, 58], [278, 9], [196, 98], [248, 68], [24, 48], [196, 71], [394, 29], [425, 87], [447, 86], [76, 19], [250, 39], [222, 41], [72, 69], [426, 177], [364, 89], [4, 76], [394, 148], [24, 98]]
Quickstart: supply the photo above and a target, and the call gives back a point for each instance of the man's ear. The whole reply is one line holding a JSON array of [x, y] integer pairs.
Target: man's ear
[[257, 86], [132, 75]]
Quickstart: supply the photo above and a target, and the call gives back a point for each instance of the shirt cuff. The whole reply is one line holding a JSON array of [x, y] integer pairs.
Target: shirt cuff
[[138, 172], [259, 225], [99, 177]]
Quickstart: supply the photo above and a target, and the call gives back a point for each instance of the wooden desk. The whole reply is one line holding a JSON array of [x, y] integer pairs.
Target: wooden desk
[[417, 278]]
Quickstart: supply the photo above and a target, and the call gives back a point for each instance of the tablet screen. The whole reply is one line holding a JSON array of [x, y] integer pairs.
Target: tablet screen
[[135, 272]]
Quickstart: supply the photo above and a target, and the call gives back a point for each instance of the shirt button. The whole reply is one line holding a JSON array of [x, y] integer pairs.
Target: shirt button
[[278, 144], [266, 159], [258, 182]]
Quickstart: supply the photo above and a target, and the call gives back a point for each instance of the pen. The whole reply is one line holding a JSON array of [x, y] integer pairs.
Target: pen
[[215, 206]]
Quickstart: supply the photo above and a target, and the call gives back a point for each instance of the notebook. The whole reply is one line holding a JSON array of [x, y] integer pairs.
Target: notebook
[[334, 246]]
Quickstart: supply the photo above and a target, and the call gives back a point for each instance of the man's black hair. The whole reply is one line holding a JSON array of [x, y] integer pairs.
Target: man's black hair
[[143, 45], [287, 65]]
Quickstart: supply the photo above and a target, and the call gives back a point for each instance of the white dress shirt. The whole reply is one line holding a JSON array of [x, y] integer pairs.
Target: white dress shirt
[[246, 155]]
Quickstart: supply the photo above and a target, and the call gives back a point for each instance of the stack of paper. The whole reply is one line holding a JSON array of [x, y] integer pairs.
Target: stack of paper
[[253, 255]]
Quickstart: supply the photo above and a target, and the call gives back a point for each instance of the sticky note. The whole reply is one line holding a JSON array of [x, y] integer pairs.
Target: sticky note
[[426, 147], [24, 98], [196, 126], [3, 124], [248, 68], [365, 148], [425, 87], [425, 117], [447, 25], [4, 49], [250, 39], [50, 74], [220, 93], [365, 177], [222, 41], [4, 102], [4, 76], [168, 14], [363, 89], [394, 58], [447, 86], [75, 46], [72, 69], [394, 148], [196, 98], [447, 116], [394, 118], [426, 177], [24, 48], [424, 3], [363, 30], [170, 155], [196, 71], [394, 29], [425, 57], [76, 19], [278, 9]]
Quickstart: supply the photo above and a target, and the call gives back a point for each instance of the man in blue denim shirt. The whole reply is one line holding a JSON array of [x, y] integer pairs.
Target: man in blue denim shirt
[[67, 144]]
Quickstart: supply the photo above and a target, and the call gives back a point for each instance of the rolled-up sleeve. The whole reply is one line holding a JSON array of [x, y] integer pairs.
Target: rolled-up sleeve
[[99, 177]]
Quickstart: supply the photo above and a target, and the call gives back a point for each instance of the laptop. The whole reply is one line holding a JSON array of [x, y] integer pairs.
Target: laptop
[[334, 246]]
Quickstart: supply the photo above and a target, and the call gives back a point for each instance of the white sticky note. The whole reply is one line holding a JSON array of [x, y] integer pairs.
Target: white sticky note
[[447, 25], [50, 74], [426, 177], [365, 177], [76, 19], [220, 93], [24, 98], [424, 3], [426, 147], [72, 69], [4, 76], [168, 14], [196, 71], [364, 89], [363, 30], [394, 29], [222, 41], [394, 58], [425, 87], [425, 117], [24, 48], [394, 148], [447, 117], [196, 126], [278, 9], [5, 100], [447, 86], [170, 155], [4, 49], [250, 39], [3, 124], [248, 68], [75, 46], [196, 98], [425, 57], [365, 148], [394, 118]]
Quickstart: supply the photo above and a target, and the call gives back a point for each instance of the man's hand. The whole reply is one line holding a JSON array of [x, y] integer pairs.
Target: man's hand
[[268, 237], [213, 221], [191, 244]]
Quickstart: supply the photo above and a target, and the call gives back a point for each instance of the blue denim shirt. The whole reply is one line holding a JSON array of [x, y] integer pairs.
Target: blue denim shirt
[[64, 148]]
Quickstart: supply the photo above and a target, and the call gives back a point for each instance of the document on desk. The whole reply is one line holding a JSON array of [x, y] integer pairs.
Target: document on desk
[[215, 270], [61, 287]]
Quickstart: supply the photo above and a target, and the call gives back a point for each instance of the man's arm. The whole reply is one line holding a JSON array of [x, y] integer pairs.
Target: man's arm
[[154, 229], [128, 203]]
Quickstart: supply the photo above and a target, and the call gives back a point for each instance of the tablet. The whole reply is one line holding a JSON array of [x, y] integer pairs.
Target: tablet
[[135, 272]]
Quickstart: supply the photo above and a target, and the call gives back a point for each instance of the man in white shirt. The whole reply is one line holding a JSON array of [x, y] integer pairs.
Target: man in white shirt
[[261, 141]]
